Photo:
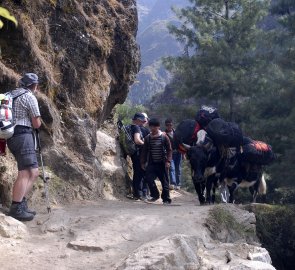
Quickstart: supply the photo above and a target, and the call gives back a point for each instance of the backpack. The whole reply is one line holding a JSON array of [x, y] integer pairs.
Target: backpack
[[7, 122], [257, 152], [126, 139], [225, 133], [205, 115]]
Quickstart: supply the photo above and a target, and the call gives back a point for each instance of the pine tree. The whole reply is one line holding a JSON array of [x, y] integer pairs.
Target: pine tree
[[275, 112], [227, 48]]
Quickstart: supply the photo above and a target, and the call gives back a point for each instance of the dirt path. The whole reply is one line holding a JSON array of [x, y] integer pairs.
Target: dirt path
[[87, 235]]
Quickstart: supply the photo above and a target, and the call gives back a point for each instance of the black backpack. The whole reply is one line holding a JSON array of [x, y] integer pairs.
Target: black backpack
[[126, 139], [225, 133], [205, 115], [185, 133]]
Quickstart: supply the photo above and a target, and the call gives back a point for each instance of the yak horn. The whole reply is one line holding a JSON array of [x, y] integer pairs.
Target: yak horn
[[186, 146]]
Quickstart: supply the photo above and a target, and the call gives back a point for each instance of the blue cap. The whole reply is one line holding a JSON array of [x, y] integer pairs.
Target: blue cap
[[29, 79], [139, 116]]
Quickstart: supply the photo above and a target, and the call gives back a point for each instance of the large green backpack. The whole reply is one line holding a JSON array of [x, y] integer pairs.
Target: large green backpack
[[126, 139]]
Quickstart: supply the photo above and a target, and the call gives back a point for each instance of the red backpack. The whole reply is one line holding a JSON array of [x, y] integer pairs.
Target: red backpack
[[257, 152]]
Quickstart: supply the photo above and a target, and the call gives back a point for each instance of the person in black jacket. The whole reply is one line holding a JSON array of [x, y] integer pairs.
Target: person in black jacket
[[138, 173]]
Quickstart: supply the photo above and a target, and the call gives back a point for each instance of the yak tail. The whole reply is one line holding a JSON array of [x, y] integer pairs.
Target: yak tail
[[262, 185]]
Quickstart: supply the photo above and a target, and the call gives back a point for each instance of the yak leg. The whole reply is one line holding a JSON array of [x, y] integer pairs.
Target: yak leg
[[210, 186], [254, 191], [200, 188], [232, 190], [208, 189]]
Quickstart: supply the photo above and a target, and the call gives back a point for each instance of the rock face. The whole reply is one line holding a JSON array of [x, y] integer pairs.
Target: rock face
[[86, 56]]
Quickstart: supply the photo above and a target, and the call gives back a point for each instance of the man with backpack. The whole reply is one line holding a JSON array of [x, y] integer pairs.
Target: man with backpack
[[26, 116], [156, 157], [175, 167], [138, 173]]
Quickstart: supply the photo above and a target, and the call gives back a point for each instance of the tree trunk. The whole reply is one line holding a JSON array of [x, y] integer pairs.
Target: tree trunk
[[226, 10], [231, 105]]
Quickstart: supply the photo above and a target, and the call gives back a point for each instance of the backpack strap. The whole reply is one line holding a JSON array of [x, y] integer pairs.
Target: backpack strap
[[13, 100]]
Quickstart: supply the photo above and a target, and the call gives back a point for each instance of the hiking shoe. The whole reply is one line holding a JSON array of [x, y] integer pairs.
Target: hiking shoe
[[171, 187], [152, 199], [143, 198], [24, 204], [177, 187], [16, 211], [167, 202]]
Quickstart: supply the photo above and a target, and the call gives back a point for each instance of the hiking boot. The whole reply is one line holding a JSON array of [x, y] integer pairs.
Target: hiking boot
[[24, 204], [16, 211], [177, 187]]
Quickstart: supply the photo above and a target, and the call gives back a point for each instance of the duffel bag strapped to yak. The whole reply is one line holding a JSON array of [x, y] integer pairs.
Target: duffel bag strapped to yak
[[205, 115], [257, 152], [186, 132], [225, 133]]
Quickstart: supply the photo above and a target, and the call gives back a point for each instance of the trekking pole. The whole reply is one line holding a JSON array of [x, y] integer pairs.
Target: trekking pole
[[121, 126], [45, 178]]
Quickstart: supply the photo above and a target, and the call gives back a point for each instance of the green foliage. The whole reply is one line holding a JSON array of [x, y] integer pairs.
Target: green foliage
[[227, 57], [5, 14], [186, 177], [275, 229], [126, 111], [273, 112], [221, 219]]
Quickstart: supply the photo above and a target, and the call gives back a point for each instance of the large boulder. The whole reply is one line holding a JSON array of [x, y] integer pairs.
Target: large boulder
[[12, 228]]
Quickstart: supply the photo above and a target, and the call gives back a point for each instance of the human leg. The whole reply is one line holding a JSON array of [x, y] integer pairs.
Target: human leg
[[20, 185], [23, 149], [150, 177], [163, 177], [172, 173], [177, 163], [137, 177]]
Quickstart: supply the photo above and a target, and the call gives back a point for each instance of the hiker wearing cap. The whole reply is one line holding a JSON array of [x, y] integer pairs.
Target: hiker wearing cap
[[139, 192], [26, 118], [175, 168], [156, 157], [145, 131]]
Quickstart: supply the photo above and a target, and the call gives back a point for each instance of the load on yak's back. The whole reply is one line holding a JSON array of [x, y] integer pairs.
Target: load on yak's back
[[237, 160]]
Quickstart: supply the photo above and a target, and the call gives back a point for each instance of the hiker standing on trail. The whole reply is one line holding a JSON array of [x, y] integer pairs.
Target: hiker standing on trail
[[145, 131], [138, 173], [175, 167], [156, 157], [26, 117]]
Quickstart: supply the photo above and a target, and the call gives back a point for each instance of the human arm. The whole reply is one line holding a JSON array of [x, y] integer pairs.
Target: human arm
[[137, 139], [168, 151], [34, 111], [36, 122], [144, 153]]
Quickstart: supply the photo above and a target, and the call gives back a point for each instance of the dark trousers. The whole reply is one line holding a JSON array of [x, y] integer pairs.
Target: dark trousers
[[158, 170], [138, 177]]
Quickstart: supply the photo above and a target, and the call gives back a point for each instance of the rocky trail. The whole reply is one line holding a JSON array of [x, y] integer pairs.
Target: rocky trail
[[124, 234]]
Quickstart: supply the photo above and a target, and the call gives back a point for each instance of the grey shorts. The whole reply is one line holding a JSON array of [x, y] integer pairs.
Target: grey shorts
[[23, 148]]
